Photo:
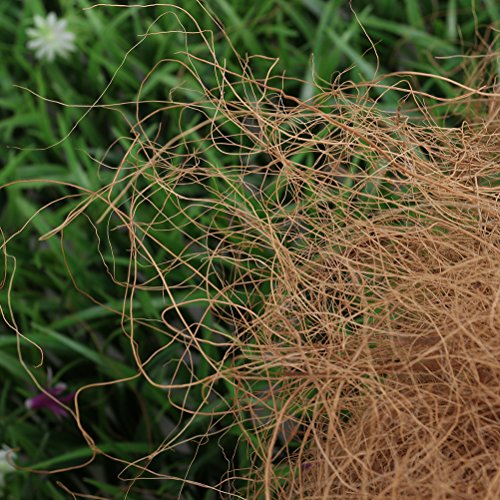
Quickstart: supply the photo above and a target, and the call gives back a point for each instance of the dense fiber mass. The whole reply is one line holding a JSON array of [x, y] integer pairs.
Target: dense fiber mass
[[379, 341]]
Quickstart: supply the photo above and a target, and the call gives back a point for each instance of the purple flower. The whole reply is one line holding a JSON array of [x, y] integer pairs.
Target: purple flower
[[44, 401]]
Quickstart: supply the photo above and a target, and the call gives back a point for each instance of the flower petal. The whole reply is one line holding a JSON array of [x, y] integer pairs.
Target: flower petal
[[32, 32], [43, 400], [34, 44], [61, 25], [39, 21], [57, 410], [67, 36], [52, 20], [57, 389]]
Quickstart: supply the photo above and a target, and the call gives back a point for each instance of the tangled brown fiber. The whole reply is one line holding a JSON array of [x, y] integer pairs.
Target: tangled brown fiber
[[352, 255], [372, 371]]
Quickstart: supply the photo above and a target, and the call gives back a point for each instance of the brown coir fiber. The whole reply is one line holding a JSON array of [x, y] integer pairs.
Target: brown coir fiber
[[352, 254], [372, 370]]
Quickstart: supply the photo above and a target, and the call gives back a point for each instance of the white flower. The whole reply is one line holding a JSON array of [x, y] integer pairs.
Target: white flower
[[49, 37], [5, 466]]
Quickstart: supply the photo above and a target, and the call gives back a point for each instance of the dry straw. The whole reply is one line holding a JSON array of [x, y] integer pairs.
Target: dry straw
[[353, 255]]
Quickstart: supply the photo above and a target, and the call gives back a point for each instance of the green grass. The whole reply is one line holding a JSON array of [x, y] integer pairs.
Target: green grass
[[43, 139]]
